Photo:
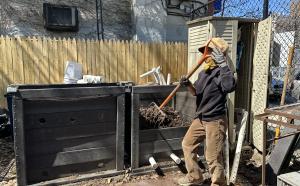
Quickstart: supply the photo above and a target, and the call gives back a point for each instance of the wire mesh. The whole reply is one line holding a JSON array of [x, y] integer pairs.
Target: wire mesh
[[285, 44], [242, 8], [285, 34]]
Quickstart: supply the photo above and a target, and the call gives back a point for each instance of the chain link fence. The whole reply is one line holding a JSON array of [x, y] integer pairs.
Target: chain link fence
[[284, 44], [284, 51]]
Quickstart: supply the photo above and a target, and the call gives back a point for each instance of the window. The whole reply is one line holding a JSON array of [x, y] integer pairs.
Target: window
[[60, 17]]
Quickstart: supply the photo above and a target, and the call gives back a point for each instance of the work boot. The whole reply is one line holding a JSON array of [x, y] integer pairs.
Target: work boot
[[185, 181]]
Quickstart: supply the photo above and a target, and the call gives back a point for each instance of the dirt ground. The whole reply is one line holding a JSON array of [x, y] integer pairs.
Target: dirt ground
[[6, 160], [248, 175], [153, 179], [249, 172]]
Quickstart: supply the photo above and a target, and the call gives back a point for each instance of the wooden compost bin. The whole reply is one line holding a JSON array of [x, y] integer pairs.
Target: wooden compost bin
[[62, 130], [159, 143]]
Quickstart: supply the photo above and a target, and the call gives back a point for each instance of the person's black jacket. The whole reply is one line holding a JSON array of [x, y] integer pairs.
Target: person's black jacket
[[212, 88]]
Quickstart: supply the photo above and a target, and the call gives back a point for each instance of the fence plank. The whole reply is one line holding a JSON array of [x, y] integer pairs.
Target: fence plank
[[73, 50], [176, 61], [97, 57], [146, 62], [127, 61], [180, 60], [130, 61], [14, 66], [61, 59], [3, 69], [55, 61], [68, 54], [81, 53], [89, 57], [32, 59], [40, 60], [123, 62], [93, 58], [19, 62], [101, 58], [25, 60], [65, 53], [51, 60], [30, 68], [151, 60], [139, 63], [185, 58], [134, 62], [161, 60], [112, 61], [156, 55], [106, 60], [2, 73], [8, 75], [164, 60], [170, 60], [183, 65], [44, 62]]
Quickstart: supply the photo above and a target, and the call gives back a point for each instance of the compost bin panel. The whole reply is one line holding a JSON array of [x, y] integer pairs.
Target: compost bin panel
[[148, 98], [68, 132], [161, 134], [159, 143]]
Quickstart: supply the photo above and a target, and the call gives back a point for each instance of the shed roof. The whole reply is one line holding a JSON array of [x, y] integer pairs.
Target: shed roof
[[209, 18]]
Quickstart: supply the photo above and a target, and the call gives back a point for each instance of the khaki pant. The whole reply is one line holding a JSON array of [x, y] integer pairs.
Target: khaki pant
[[215, 134]]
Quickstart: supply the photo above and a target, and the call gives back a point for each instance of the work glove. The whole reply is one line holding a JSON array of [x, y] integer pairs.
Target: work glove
[[184, 81], [218, 57]]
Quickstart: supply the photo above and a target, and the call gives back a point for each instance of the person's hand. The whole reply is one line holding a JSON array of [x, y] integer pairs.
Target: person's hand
[[184, 81], [219, 57]]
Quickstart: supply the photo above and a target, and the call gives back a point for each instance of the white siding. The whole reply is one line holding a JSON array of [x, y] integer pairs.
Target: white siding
[[228, 31], [198, 35]]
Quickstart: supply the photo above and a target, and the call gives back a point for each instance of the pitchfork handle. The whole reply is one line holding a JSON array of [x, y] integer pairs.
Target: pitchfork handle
[[172, 94]]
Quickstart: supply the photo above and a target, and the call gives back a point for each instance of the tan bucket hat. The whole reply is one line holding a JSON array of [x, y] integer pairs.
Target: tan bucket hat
[[216, 42]]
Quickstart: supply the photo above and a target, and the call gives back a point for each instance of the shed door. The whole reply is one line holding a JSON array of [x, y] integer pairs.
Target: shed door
[[260, 78]]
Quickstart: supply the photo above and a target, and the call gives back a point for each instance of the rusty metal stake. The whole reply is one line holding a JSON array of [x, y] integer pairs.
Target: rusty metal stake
[[263, 171], [285, 83]]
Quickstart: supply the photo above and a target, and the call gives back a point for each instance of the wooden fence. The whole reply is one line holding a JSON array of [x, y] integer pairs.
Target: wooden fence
[[42, 60]]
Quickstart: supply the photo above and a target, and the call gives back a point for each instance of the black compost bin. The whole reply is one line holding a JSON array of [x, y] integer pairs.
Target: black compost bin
[[160, 142], [62, 130]]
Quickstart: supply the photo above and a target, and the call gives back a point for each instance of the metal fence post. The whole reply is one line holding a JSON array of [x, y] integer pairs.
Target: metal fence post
[[265, 9]]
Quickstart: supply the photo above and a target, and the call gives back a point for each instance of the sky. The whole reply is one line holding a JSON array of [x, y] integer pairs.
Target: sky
[[254, 8]]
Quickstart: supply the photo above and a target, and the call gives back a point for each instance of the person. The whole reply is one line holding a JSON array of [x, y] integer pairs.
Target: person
[[214, 82]]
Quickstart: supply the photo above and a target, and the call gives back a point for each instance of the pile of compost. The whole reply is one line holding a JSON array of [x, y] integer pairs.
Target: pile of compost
[[172, 118]]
